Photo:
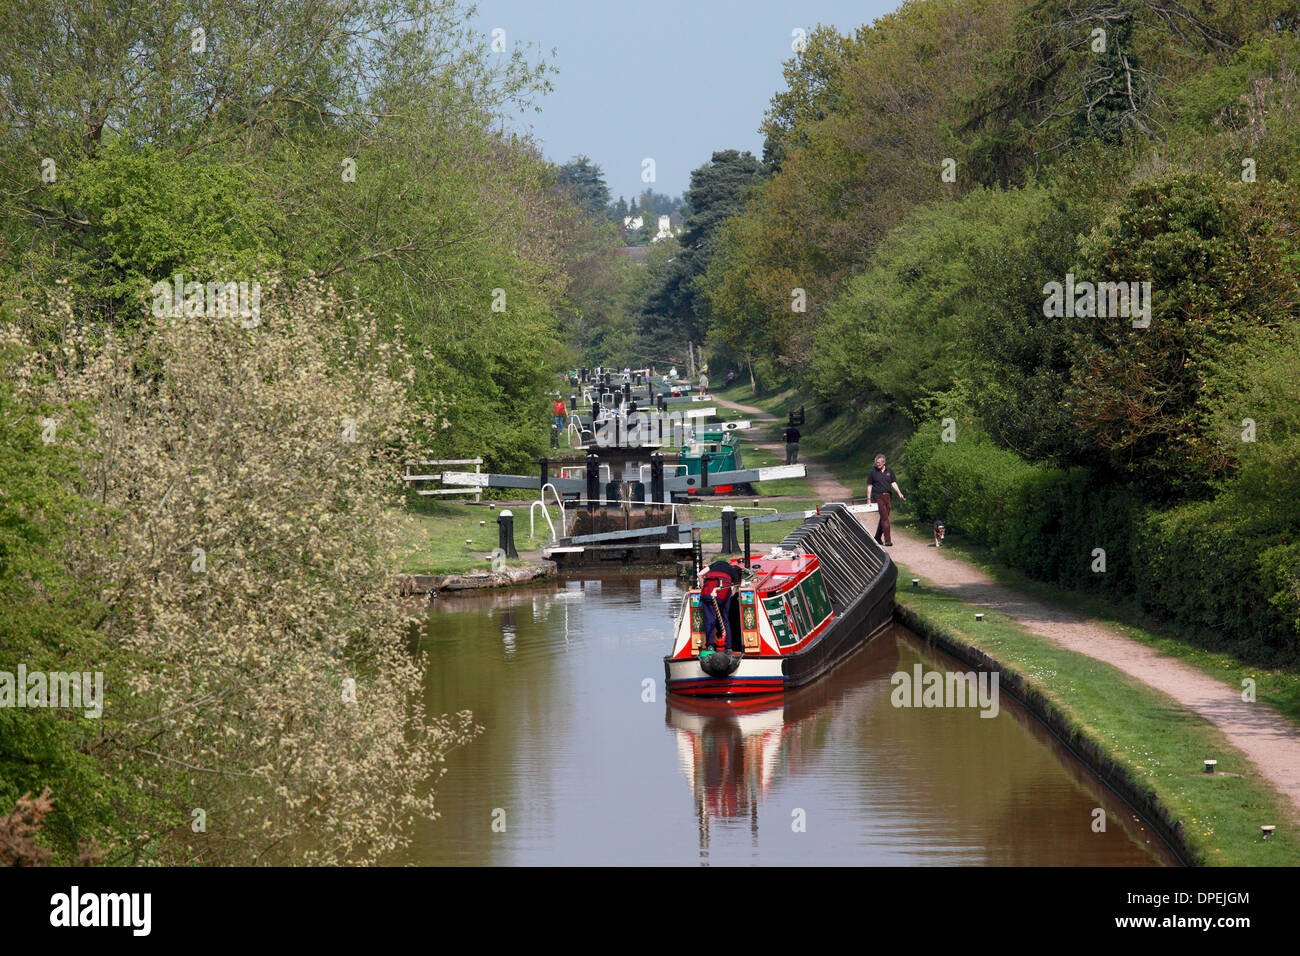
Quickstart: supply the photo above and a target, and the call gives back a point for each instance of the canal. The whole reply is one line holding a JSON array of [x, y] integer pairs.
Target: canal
[[583, 761]]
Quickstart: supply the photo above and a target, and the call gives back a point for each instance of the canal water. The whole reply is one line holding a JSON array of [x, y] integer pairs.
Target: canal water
[[584, 761]]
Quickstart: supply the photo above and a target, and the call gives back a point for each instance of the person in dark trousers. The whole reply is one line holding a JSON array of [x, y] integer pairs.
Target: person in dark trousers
[[791, 445], [879, 481]]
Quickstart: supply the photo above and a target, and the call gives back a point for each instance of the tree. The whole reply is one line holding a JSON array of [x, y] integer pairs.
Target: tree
[[1216, 270], [676, 310], [255, 663], [813, 90], [583, 182]]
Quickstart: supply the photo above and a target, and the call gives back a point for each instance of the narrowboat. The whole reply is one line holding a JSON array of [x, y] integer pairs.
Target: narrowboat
[[800, 610], [717, 449]]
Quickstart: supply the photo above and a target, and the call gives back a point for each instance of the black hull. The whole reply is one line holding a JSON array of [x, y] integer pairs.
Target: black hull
[[861, 580]]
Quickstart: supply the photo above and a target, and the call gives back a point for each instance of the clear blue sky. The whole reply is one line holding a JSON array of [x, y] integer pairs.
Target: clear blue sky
[[669, 79]]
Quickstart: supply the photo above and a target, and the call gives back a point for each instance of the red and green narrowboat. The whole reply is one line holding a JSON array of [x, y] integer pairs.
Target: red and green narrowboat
[[798, 611]]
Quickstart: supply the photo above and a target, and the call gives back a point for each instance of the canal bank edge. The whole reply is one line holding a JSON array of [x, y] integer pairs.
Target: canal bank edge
[[415, 584], [1110, 772]]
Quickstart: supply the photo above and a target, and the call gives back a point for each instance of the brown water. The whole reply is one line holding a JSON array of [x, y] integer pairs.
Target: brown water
[[577, 766]]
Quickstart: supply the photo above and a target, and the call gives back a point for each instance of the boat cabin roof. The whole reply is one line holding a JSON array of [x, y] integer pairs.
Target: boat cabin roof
[[774, 575]]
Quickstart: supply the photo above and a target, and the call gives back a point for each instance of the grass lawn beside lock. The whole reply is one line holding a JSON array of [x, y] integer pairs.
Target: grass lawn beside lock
[[434, 535]]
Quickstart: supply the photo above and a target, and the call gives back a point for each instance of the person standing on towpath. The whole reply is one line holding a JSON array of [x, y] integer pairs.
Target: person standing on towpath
[[879, 480], [791, 445]]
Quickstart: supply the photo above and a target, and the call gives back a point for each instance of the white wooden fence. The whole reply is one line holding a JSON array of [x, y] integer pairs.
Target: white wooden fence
[[437, 476]]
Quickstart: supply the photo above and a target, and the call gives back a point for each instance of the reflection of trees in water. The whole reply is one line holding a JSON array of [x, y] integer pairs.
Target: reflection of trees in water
[[496, 655], [1002, 782]]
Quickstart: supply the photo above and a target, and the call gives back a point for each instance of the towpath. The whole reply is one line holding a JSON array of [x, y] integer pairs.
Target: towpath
[[1267, 739]]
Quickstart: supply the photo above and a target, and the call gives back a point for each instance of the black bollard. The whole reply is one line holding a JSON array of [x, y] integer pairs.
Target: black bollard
[[638, 493], [747, 541], [595, 410], [555, 436], [612, 491], [593, 479], [546, 470], [729, 543], [704, 472], [506, 534], [657, 478]]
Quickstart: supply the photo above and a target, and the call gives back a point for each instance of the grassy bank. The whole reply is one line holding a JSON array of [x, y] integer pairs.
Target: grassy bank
[[1158, 745], [435, 535]]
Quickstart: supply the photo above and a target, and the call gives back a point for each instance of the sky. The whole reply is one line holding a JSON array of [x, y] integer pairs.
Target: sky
[[668, 80]]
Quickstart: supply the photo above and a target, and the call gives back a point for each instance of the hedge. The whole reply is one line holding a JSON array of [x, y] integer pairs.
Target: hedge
[[1200, 566]]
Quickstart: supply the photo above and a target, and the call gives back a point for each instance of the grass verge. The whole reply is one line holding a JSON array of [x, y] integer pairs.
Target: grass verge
[[434, 535]]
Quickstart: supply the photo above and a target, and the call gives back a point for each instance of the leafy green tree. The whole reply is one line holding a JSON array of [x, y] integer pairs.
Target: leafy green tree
[[1143, 395], [583, 182], [813, 90], [677, 310]]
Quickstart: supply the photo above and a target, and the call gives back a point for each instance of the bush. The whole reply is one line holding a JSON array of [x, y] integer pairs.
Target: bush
[[1202, 566]]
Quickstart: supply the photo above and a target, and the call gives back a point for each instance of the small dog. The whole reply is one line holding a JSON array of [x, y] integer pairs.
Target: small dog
[[938, 534]]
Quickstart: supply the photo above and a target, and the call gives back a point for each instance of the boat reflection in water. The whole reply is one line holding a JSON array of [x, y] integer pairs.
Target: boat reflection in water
[[939, 786], [731, 749]]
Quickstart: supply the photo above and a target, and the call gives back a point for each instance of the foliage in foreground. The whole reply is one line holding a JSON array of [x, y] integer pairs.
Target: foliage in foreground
[[242, 547]]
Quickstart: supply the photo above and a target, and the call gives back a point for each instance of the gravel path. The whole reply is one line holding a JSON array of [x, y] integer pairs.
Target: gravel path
[[1270, 741]]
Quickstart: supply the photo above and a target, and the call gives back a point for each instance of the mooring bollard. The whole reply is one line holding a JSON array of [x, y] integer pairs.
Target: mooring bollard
[[546, 469], [1210, 765], [979, 617], [746, 540], [555, 436], [506, 533], [729, 543], [916, 582]]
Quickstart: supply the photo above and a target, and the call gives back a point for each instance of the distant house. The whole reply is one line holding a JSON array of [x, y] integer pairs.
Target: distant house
[[665, 229]]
